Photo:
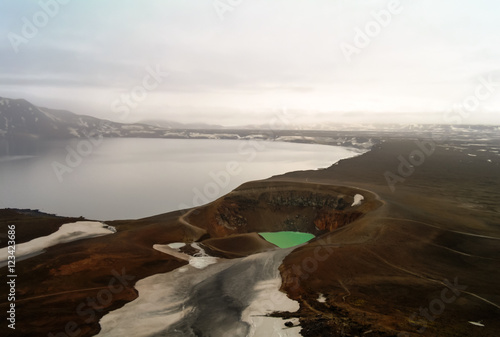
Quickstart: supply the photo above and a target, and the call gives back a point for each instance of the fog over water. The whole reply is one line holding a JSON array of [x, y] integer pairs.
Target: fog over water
[[134, 178]]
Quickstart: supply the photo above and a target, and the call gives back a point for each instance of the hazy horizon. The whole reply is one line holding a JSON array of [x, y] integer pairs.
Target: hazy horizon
[[239, 62]]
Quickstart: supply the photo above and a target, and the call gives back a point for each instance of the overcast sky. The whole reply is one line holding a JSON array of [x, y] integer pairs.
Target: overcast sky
[[242, 61]]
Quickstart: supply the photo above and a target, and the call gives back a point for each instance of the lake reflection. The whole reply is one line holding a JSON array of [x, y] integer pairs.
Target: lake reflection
[[133, 178]]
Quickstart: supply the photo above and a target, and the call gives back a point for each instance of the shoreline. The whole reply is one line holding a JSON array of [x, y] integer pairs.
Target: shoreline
[[238, 163]]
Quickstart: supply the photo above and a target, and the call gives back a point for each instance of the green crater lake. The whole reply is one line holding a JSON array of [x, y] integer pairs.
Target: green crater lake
[[287, 239]]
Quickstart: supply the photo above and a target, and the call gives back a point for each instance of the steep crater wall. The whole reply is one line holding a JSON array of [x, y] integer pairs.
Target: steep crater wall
[[265, 206]]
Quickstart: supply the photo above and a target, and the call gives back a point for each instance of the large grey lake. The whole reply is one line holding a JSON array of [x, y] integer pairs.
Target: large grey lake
[[134, 178]]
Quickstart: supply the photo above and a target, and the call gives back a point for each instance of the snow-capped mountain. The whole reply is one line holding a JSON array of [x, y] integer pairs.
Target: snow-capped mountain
[[21, 119]]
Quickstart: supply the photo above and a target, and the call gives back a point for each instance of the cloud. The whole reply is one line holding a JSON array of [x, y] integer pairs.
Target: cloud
[[263, 55]]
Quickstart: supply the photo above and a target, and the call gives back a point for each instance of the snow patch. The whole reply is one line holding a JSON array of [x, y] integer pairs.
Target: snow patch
[[49, 115], [199, 260], [67, 233], [82, 122], [168, 299], [176, 245], [476, 323], [321, 298], [74, 132], [261, 137], [357, 200], [111, 228], [269, 299]]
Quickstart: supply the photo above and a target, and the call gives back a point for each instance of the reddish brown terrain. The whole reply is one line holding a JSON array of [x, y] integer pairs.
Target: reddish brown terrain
[[418, 260]]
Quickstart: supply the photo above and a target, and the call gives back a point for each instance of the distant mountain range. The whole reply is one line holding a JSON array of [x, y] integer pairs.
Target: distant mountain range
[[172, 125], [21, 120]]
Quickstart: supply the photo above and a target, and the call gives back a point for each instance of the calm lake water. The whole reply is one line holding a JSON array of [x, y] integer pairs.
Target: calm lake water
[[134, 178], [287, 239]]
